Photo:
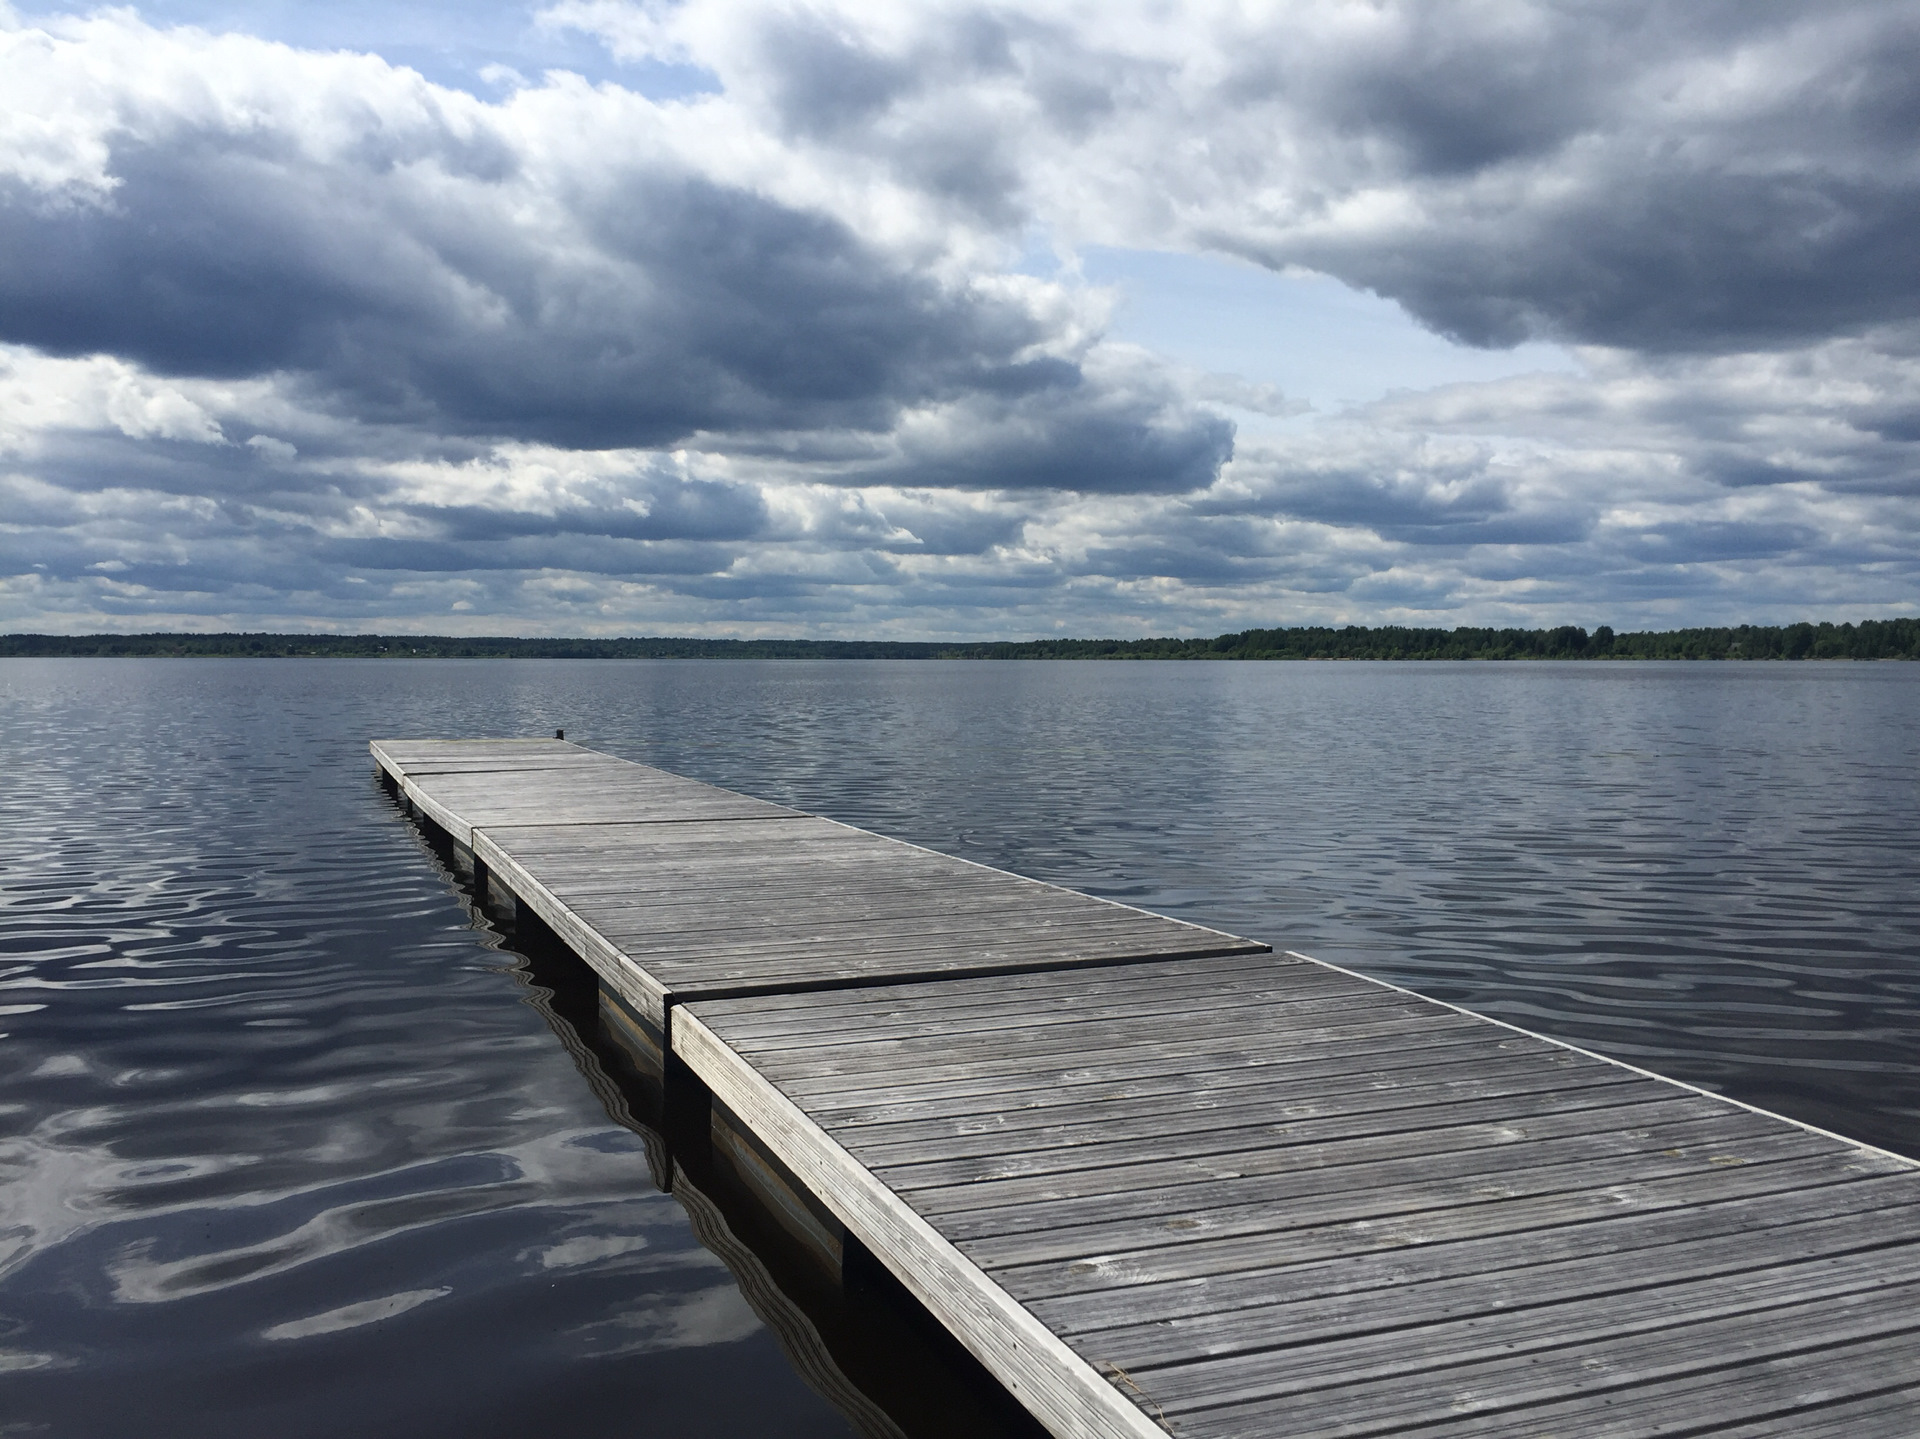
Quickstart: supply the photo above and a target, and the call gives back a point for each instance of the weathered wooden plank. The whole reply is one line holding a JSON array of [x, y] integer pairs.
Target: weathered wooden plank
[[1280, 1191], [1404, 1359], [766, 929], [638, 989], [1331, 1230], [570, 797], [1606, 1359], [907, 957], [423, 751], [691, 979], [1492, 1093], [1095, 1135], [1893, 1414], [1446, 1071], [462, 785], [1600, 1368], [1570, 1138], [1243, 1193], [399, 758], [1775, 1389], [1070, 927], [1354, 1037], [1277, 1059], [839, 1016], [1253, 1306], [1106, 1001], [1295, 1214], [611, 800], [510, 766], [1060, 1388]]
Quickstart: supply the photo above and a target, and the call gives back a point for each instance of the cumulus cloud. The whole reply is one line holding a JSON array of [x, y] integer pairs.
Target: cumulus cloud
[[558, 266], [1691, 178], [291, 338]]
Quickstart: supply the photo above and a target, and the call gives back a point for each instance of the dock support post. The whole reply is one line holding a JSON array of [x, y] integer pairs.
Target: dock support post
[[686, 1105]]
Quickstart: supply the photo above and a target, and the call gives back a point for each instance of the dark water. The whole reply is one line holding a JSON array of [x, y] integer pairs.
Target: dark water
[[285, 1149]]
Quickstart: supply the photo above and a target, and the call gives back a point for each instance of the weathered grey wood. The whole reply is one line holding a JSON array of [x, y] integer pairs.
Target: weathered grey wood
[[421, 752], [509, 766], [1890, 1415], [1059, 1025], [1304, 1236], [1017, 1052], [1540, 1142], [1771, 1389], [1242, 1305], [1060, 1387], [671, 888], [638, 989], [1273, 1060], [1607, 1360], [1397, 1358], [1220, 1234], [837, 1016], [1330, 1203], [462, 803], [1614, 1360], [883, 1140], [1119, 1133], [1442, 1072], [1298, 1227], [927, 936], [1154, 1177]]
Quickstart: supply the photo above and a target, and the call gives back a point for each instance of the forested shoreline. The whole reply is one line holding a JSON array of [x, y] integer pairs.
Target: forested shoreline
[[1897, 639]]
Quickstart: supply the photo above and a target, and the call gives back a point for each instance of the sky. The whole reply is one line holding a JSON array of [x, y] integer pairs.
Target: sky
[[957, 320]]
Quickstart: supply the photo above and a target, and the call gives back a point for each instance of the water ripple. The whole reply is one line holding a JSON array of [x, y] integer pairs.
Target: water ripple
[[274, 1114]]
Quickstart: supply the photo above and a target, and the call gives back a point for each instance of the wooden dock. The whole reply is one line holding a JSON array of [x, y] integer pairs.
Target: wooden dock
[[1158, 1179], [675, 890]]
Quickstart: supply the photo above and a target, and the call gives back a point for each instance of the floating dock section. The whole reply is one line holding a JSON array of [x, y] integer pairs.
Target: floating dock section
[[1160, 1180]]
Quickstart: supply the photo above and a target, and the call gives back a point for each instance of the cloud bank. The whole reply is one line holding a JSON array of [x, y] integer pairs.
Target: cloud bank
[[290, 338]]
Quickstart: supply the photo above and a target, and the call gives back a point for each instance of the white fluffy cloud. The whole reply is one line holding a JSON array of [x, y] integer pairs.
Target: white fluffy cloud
[[292, 338]]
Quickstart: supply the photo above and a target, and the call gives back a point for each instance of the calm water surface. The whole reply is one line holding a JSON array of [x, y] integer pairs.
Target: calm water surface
[[284, 1148]]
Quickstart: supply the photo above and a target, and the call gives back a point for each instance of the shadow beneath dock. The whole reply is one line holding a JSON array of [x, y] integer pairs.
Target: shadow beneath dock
[[848, 1327]]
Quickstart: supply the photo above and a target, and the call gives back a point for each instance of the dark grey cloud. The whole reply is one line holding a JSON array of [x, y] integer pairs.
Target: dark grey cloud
[[1705, 177], [705, 308], [1653, 261], [662, 510], [1128, 433], [562, 269], [582, 554], [938, 529], [302, 336], [1682, 178], [1697, 542]]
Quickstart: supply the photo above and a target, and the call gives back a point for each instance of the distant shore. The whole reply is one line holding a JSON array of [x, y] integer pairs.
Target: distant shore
[[1868, 640]]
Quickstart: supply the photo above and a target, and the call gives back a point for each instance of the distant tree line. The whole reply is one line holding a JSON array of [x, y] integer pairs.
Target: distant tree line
[[1868, 640]]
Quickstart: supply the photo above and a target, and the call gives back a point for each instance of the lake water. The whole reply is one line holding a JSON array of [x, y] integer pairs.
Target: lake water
[[286, 1149]]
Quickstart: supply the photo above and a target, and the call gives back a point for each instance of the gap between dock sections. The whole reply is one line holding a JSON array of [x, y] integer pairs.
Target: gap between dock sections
[[1159, 1179]]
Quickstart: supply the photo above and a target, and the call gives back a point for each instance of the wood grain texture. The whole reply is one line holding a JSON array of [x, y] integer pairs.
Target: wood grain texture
[[1279, 1199], [1159, 1179], [1062, 1390], [674, 889]]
